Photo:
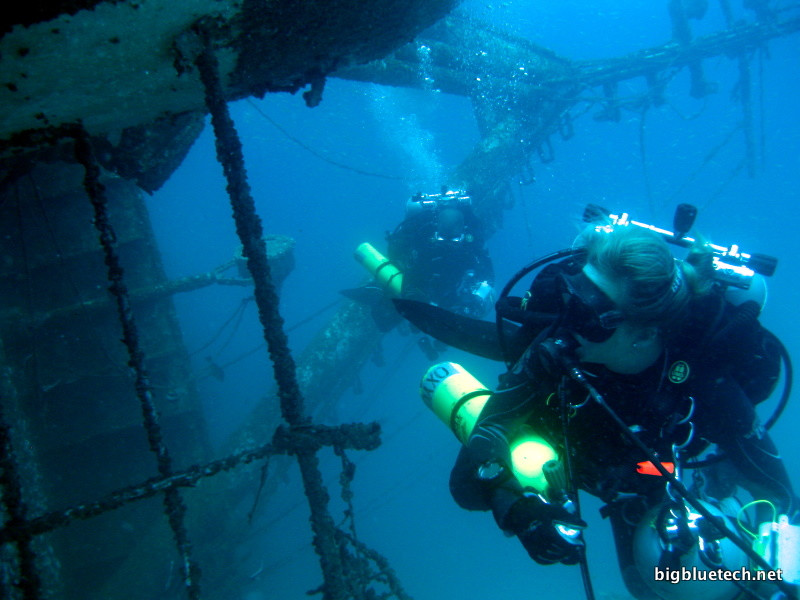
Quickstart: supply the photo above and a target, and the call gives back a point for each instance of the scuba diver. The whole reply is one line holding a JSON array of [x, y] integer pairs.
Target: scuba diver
[[435, 255], [625, 366], [439, 247]]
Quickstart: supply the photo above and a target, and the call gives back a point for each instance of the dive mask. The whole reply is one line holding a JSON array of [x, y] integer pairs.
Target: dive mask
[[586, 310], [443, 237]]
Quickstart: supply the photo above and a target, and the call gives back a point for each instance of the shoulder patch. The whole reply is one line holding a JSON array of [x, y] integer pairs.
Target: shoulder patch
[[678, 371]]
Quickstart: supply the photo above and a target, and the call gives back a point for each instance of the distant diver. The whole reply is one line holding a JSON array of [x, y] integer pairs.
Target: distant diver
[[436, 255]]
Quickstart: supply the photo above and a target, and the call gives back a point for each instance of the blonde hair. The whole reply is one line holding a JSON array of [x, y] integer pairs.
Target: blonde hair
[[656, 287]]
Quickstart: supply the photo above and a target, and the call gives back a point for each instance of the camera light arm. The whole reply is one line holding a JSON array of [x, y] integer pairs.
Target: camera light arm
[[731, 265]]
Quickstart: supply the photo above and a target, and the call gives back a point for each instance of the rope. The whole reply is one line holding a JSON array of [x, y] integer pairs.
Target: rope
[[359, 563], [737, 169], [250, 231], [746, 97], [346, 574], [356, 436], [708, 158], [173, 503], [648, 187]]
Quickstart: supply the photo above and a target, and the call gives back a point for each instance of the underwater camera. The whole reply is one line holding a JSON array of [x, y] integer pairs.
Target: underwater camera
[[446, 199], [730, 265]]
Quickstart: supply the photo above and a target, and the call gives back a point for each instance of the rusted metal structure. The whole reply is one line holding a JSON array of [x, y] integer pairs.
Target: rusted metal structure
[[116, 84]]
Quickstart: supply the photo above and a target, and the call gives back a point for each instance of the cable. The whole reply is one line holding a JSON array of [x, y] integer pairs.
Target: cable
[[289, 329], [237, 315], [577, 375], [318, 154], [584, 561], [708, 158]]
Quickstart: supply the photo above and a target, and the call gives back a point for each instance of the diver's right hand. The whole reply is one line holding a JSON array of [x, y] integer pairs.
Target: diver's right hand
[[549, 532], [551, 543], [554, 355], [529, 511]]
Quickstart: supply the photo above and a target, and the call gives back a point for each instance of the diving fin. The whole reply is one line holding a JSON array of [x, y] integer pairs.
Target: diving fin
[[471, 335], [376, 300], [365, 294]]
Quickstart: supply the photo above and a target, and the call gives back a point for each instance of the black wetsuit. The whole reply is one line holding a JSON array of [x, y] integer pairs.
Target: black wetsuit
[[651, 403], [439, 271]]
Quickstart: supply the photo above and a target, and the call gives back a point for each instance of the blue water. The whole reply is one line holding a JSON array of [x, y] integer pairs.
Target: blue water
[[414, 138]]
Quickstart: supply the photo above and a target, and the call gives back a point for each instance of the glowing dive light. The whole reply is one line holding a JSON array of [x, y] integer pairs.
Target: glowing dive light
[[457, 398]]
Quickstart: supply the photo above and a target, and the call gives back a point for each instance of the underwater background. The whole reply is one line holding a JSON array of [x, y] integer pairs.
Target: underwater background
[[339, 174]]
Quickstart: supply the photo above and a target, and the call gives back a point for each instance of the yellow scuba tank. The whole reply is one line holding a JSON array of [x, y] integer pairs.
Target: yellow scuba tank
[[454, 396], [457, 398], [380, 267]]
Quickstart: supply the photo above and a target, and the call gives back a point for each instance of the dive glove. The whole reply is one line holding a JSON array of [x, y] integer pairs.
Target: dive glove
[[549, 532]]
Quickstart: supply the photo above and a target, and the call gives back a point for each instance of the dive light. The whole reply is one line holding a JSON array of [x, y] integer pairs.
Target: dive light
[[457, 398]]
